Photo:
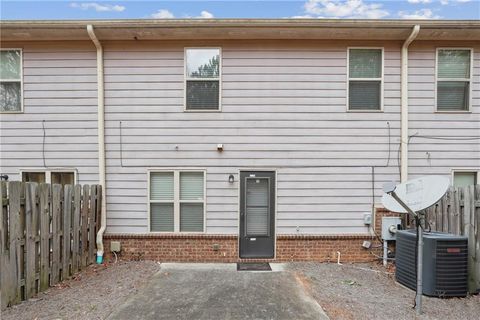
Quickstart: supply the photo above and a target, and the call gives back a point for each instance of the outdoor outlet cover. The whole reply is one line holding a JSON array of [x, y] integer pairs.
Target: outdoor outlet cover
[[367, 218], [216, 247], [366, 244], [115, 246]]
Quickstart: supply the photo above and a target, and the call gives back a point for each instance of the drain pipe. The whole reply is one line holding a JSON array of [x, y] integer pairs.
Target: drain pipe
[[404, 105], [101, 140]]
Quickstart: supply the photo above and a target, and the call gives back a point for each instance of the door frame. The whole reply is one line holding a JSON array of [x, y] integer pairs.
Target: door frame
[[275, 211]]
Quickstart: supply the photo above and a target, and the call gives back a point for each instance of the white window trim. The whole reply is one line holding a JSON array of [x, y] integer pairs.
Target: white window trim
[[15, 80], [48, 173], [382, 80], [176, 199], [468, 170], [186, 78], [469, 109]]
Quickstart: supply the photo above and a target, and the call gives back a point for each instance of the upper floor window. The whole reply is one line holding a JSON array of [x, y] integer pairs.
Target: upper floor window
[[453, 79], [202, 79], [10, 80], [365, 79]]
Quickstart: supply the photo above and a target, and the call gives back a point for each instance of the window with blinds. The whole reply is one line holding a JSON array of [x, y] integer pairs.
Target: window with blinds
[[10, 80], [365, 79], [177, 201], [453, 79], [202, 79]]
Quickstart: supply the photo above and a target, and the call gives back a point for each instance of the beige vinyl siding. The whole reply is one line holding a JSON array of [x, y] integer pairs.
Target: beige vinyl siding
[[282, 107], [60, 89], [433, 156]]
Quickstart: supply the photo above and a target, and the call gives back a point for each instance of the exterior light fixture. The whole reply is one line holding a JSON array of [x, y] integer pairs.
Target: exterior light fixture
[[231, 178]]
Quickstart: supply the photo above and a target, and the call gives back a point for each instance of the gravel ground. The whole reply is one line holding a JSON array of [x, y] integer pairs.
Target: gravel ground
[[350, 292], [344, 292], [92, 294]]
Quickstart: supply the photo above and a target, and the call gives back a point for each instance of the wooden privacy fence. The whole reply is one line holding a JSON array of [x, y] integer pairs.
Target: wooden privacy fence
[[458, 212], [47, 233]]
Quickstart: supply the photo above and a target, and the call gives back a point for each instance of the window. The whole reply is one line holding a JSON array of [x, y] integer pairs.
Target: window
[[62, 177], [453, 79], [464, 178], [202, 79], [177, 201], [365, 79], [10, 80]]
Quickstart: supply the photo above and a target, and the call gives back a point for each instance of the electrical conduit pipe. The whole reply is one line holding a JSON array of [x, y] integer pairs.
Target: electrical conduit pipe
[[404, 105], [101, 140]]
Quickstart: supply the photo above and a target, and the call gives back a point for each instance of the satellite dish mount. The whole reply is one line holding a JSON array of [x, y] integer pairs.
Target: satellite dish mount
[[412, 197]]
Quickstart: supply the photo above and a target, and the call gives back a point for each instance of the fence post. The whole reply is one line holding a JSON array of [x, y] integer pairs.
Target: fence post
[[67, 223], [91, 224], [6, 284], [31, 232], [16, 192], [476, 215], [57, 196], [77, 194], [44, 192], [85, 208]]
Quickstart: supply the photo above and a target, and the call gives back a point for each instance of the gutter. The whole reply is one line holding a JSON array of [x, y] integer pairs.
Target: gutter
[[404, 105], [101, 140]]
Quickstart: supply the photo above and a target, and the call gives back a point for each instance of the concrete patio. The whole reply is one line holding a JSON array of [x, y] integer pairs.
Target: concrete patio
[[219, 291]]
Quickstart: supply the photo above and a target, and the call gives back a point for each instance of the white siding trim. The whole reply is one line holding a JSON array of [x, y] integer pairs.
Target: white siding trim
[[185, 79], [382, 80], [15, 80], [470, 100]]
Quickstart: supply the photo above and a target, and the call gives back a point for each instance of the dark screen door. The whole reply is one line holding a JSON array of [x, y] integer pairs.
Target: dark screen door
[[257, 214]]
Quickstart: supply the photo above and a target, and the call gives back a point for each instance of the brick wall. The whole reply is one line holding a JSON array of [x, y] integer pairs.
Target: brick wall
[[202, 248], [224, 248]]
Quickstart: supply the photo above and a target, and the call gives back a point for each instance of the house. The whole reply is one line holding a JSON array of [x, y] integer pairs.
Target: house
[[220, 140]]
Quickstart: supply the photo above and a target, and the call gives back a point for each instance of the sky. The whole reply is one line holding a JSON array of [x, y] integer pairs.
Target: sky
[[321, 9]]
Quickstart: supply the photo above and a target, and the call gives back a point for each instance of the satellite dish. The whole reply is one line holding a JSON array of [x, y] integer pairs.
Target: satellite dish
[[418, 194]]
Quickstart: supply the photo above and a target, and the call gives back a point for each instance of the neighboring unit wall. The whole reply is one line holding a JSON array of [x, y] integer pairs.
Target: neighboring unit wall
[[59, 81], [283, 108], [454, 141]]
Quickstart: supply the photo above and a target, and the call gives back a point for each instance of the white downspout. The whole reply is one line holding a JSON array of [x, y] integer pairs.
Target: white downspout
[[404, 105], [101, 140]]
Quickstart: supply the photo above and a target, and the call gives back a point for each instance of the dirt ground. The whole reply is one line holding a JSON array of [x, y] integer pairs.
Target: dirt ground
[[91, 294], [357, 292], [344, 292]]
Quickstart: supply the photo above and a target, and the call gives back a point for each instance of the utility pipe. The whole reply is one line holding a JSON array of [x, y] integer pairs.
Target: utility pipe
[[404, 105], [101, 140]]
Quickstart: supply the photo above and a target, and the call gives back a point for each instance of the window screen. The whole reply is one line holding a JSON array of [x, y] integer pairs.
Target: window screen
[[202, 72], [257, 207], [10, 81], [453, 79], [162, 201], [365, 79], [63, 178], [463, 179], [38, 177]]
